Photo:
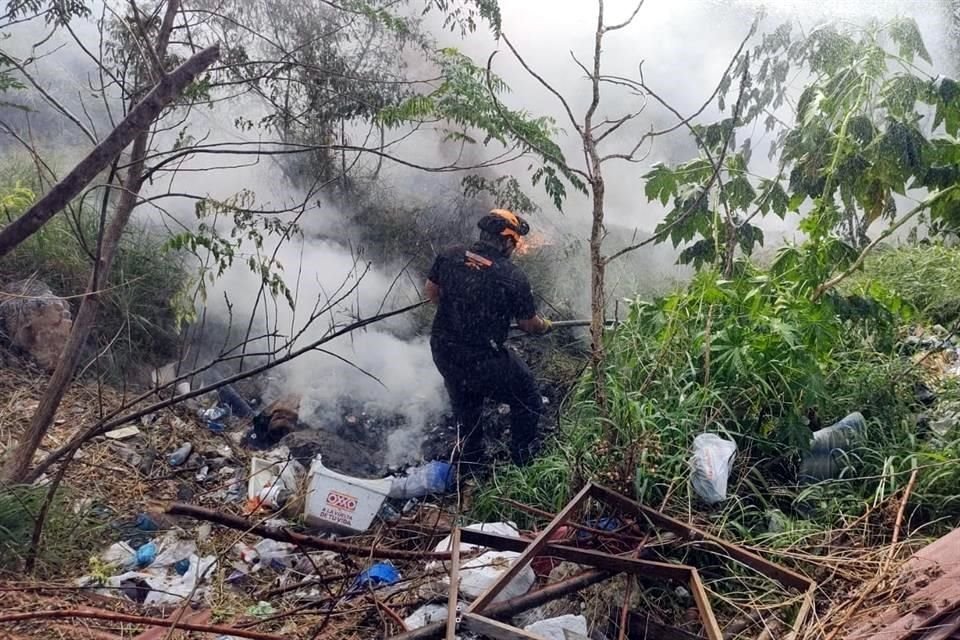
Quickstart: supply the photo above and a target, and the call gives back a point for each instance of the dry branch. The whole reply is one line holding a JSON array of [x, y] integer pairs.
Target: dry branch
[[283, 534], [111, 616]]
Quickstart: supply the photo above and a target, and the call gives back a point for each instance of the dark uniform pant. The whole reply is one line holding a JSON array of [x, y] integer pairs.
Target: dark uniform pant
[[472, 375]]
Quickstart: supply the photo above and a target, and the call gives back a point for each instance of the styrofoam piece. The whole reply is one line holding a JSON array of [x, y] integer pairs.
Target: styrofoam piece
[[496, 528], [342, 502], [478, 574], [562, 628]]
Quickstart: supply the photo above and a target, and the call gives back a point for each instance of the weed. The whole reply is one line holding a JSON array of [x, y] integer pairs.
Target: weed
[[70, 534]]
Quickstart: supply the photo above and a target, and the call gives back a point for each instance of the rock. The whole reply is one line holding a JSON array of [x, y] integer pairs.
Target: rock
[[35, 320]]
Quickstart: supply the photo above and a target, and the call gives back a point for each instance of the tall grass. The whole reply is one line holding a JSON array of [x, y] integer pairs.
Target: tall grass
[[754, 360], [71, 532]]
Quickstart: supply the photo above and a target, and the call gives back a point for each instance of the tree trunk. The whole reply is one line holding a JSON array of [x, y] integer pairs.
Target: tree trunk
[[18, 464], [598, 305]]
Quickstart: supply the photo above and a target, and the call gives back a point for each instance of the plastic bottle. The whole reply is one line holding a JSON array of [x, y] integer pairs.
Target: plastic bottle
[[829, 444], [433, 477], [180, 456]]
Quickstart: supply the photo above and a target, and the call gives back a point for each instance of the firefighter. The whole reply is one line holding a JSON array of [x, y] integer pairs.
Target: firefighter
[[478, 291]]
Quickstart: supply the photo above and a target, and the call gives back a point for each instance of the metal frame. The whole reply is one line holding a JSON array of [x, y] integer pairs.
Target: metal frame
[[474, 620]]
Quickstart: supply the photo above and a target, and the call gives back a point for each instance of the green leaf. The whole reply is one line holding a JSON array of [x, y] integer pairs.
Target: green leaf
[[661, 184], [906, 34]]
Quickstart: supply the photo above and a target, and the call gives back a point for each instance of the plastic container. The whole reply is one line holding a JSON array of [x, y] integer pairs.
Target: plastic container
[[829, 445], [340, 502], [433, 477]]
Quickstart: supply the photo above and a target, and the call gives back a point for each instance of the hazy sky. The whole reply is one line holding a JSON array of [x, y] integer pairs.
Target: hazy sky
[[684, 45]]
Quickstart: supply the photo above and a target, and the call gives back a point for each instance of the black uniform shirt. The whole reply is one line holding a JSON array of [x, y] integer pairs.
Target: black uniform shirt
[[480, 293]]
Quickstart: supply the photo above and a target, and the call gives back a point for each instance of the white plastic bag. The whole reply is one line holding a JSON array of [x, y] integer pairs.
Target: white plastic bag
[[478, 574], [712, 462]]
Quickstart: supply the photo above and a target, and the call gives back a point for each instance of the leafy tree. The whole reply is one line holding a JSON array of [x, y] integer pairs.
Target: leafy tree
[[869, 126]]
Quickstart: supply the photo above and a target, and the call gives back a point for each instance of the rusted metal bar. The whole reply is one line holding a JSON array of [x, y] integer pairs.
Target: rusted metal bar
[[529, 553], [703, 605], [784, 576], [615, 563], [489, 628]]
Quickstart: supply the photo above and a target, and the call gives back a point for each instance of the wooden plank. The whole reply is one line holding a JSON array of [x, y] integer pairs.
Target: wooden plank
[[643, 627], [529, 553], [454, 593], [494, 629], [703, 605], [940, 597], [784, 576], [943, 630]]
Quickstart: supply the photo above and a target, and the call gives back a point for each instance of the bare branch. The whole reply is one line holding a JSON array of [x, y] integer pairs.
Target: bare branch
[[543, 82], [56, 104], [717, 167], [683, 120], [629, 20]]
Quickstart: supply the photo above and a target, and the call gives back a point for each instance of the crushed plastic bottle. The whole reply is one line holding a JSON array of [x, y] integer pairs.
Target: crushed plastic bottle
[[433, 477], [180, 456]]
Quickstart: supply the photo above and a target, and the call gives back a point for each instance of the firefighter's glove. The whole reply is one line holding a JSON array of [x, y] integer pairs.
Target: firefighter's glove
[[547, 326]]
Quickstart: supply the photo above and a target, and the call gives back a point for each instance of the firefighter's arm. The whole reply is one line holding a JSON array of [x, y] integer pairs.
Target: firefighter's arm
[[432, 291], [536, 325]]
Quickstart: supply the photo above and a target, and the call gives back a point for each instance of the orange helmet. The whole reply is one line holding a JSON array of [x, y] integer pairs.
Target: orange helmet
[[505, 223]]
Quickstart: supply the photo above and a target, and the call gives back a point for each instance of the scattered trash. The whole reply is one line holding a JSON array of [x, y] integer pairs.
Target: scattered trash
[[180, 456], [182, 566], [146, 554], [261, 610], [120, 554], [829, 445], [712, 462], [277, 555], [427, 614], [430, 478], [122, 433], [563, 628], [477, 574], [274, 422], [215, 417], [272, 481], [342, 502], [145, 523], [146, 463], [380, 574]]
